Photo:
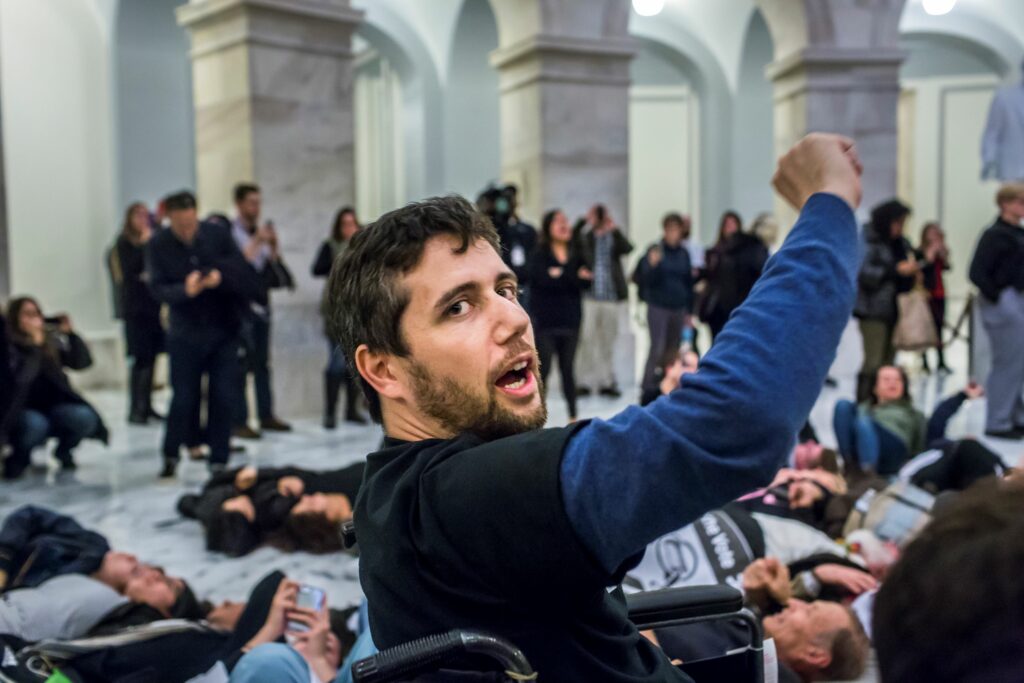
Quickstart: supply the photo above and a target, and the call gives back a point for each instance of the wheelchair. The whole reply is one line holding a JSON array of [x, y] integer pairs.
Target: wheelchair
[[669, 607]]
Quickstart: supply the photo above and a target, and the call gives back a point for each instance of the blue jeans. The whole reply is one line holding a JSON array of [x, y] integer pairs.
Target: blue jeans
[[866, 444], [69, 423], [273, 663]]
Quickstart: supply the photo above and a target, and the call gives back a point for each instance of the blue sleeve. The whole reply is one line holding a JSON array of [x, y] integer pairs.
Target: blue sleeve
[[728, 427], [939, 420]]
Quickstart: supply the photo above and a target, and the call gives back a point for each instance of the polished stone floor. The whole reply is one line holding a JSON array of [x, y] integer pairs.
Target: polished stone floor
[[116, 492]]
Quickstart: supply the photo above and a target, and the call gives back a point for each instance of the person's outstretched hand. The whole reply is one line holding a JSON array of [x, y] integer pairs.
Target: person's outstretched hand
[[820, 162]]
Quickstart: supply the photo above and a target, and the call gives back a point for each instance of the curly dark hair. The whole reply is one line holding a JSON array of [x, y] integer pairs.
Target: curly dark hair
[[365, 301]]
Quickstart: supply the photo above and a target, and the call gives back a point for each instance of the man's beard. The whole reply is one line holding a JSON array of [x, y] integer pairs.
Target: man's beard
[[459, 409]]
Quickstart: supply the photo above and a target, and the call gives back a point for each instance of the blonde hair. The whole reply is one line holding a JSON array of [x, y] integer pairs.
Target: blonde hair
[[1009, 192]]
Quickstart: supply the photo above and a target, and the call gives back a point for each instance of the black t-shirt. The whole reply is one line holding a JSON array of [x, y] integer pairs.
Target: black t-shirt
[[467, 534]]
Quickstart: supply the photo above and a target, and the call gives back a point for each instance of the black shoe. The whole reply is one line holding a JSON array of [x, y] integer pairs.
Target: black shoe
[[583, 391], [1014, 434], [137, 419], [273, 424], [168, 472], [67, 463], [198, 454], [236, 448], [330, 422], [245, 432], [357, 419], [612, 391]]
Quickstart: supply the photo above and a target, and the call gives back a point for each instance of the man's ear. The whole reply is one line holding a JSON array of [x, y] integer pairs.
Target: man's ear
[[817, 656], [378, 369]]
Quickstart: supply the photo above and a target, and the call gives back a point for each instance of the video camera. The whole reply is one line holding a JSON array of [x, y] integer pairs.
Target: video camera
[[498, 203]]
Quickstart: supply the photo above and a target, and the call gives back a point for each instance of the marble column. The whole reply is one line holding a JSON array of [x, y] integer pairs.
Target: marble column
[[565, 122], [565, 135], [851, 91], [273, 84]]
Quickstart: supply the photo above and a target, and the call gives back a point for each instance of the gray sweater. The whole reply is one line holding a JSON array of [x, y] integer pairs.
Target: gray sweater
[[61, 608]]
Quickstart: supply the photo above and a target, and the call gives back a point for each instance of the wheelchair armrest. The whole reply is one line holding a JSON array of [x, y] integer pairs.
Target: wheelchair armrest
[[675, 604]]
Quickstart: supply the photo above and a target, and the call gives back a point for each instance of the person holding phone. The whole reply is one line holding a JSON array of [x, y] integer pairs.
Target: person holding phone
[[198, 271], [312, 652], [259, 245], [44, 404], [665, 274], [603, 245]]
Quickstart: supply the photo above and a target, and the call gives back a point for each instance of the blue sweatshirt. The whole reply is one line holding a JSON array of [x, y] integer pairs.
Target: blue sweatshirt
[[729, 427]]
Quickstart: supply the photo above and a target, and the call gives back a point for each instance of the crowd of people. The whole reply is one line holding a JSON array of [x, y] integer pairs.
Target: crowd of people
[[470, 514]]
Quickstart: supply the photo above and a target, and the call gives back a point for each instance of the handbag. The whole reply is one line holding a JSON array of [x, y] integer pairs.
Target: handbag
[[915, 327]]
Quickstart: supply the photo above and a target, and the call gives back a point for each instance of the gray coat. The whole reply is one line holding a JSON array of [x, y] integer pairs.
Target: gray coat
[[878, 282]]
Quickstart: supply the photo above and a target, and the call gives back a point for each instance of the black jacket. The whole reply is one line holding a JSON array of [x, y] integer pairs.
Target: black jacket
[[732, 268], [517, 237], [878, 282], [998, 261], [37, 544], [40, 382], [620, 247], [6, 381], [169, 261], [137, 301], [555, 302]]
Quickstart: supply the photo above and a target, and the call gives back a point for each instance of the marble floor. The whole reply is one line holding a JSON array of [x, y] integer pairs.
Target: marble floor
[[116, 492]]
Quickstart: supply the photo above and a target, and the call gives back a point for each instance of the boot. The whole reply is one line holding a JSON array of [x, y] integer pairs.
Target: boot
[[352, 403], [332, 385], [137, 386]]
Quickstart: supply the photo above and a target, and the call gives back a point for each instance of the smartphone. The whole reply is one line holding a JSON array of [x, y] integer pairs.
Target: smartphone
[[309, 597]]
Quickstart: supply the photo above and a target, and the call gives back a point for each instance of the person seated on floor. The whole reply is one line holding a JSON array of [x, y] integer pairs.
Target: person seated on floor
[[952, 608], [814, 641], [289, 507], [46, 405], [882, 433]]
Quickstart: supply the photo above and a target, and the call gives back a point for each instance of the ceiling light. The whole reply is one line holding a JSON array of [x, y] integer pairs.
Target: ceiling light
[[934, 7], [648, 8]]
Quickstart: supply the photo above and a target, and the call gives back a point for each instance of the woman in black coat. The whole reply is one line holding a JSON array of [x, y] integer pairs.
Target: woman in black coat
[[557, 277], [732, 267], [889, 268], [45, 403], [143, 333]]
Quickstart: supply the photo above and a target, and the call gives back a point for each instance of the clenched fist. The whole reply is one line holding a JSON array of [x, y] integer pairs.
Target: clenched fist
[[820, 162]]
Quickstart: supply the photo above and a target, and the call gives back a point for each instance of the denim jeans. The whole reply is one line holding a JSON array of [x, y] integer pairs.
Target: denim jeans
[[866, 444], [69, 423]]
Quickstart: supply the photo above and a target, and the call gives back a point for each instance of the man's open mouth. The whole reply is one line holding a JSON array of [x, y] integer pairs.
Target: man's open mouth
[[516, 378]]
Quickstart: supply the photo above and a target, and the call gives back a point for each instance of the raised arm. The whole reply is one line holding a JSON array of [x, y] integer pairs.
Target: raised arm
[[728, 428]]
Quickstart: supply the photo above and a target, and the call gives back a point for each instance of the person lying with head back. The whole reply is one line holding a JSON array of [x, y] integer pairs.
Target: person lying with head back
[[473, 516]]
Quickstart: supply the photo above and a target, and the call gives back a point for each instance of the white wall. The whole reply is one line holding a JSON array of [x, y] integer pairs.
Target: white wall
[[58, 153], [156, 139]]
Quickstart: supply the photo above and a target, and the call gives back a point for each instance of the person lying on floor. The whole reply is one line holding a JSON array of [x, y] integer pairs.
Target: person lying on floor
[[266, 617], [288, 507], [71, 605], [814, 641], [37, 544]]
